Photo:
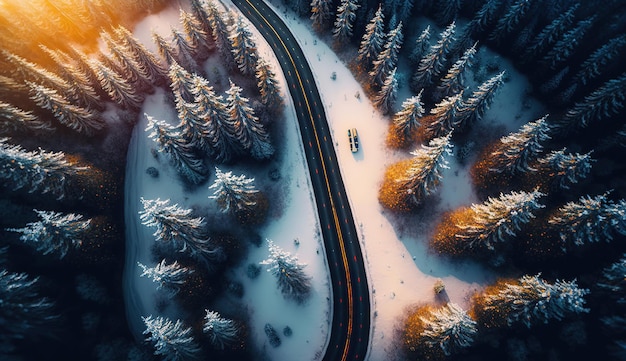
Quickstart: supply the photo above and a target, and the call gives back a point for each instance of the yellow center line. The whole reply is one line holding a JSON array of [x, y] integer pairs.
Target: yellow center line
[[335, 216]]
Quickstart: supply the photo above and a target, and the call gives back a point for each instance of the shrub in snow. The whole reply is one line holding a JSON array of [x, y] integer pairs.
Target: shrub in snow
[[222, 332], [171, 340], [293, 282], [171, 276], [272, 335], [287, 331]]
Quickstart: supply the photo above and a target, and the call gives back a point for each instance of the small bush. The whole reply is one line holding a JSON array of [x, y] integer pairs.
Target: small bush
[[272, 335]]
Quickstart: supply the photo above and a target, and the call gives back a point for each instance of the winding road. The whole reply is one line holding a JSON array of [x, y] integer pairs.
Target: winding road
[[350, 329]]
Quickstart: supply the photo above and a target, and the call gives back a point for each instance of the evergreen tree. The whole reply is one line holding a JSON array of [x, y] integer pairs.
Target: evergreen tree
[[172, 341], [434, 62], [185, 52], [388, 58], [165, 48], [249, 132], [181, 82], [422, 43], [602, 103], [132, 72], [531, 300], [222, 332], [613, 279], [550, 34], [83, 66], [118, 89], [177, 227], [386, 97], [47, 172], [346, 14], [599, 59], [293, 282], [407, 121], [321, 13], [221, 32], [146, 59], [448, 328], [197, 35], [483, 19], [510, 20], [454, 81], [234, 194], [474, 108], [565, 169], [201, 15], [516, 150], [563, 49], [373, 39], [171, 276], [14, 119], [195, 130], [447, 11], [244, 48], [268, 85], [30, 72], [554, 82], [55, 233], [442, 117], [180, 152]]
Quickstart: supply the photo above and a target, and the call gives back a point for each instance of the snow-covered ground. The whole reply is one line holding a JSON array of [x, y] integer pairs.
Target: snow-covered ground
[[401, 270]]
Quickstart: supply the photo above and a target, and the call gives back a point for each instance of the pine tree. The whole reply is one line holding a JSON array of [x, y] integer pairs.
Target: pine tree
[[14, 119], [47, 172], [604, 102], [565, 169], [422, 43], [388, 58], [531, 300], [550, 34], [249, 132], [321, 13], [482, 20], [181, 82], [171, 276], [118, 89], [434, 62], [442, 117], [201, 15], [221, 32], [293, 282], [448, 328], [172, 341], [222, 332], [132, 72], [447, 11], [614, 281], [145, 58], [563, 49], [514, 151], [475, 107], [185, 52], [454, 81], [55, 233], [177, 227], [373, 39], [197, 35], [268, 85], [346, 14], [407, 121], [165, 48], [386, 97], [234, 194], [599, 59], [180, 152], [244, 48], [26, 71], [195, 130], [510, 20]]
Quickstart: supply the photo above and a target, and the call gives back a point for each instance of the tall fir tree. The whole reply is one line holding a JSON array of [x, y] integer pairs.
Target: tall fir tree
[[245, 50], [510, 21], [171, 340], [55, 233], [181, 82], [26, 71], [147, 60], [447, 11], [407, 121], [132, 72], [185, 51], [563, 49], [421, 45], [234, 194], [321, 13], [448, 328], [373, 39], [346, 14], [222, 332], [484, 18], [442, 117], [386, 97], [293, 282], [565, 169], [118, 89], [170, 276], [14, 119], [454, 81], [197, 35], [220, 31], [212, 109], [388, 58], [200, 14], [550, 34], [434, 62], [165, 48], [268, 85], [593, 66], [193, 128], [474, 108]]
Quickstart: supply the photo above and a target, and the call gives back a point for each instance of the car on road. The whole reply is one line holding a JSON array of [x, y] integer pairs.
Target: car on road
[[353, 137]]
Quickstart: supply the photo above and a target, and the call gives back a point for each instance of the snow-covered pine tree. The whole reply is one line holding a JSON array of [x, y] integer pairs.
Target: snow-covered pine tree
[[118, 89], [447, 11], [180, 152], [234, 194], [565, 169], [550, 34], [373, 39], [563, 48], [268, 85], [185, 52], [484, 18], [24, 312], [197, 36], [14, 119], [388, 58], [147, 60], [82, 65], [178, 227], [55, 233], [172, 341], [47, 172], [422, 43], [473, 109], [531, 300], [132, 72], [245, 50], [181, 82], [165, 48], [346, 14], [293, 282], [222, 332], [171, 276], [386, 97], [79, 119], [599, 59], [407, 121], [321, 13], [454, 81], [220, 31], [511, 19], [408, 183], [604, 102], [434, 62], [514, 151], [249, 132], [200, 14], [26, 71], [614, 279], [442, 117], [448, 328]]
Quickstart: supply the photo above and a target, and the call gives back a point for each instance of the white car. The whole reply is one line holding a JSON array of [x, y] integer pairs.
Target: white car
[[353, 137]]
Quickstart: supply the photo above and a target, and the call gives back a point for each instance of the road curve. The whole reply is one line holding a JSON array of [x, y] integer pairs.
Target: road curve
[[350, 328]]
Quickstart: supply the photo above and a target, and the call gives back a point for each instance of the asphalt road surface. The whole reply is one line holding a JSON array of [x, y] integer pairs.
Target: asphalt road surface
[[350, 329]]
